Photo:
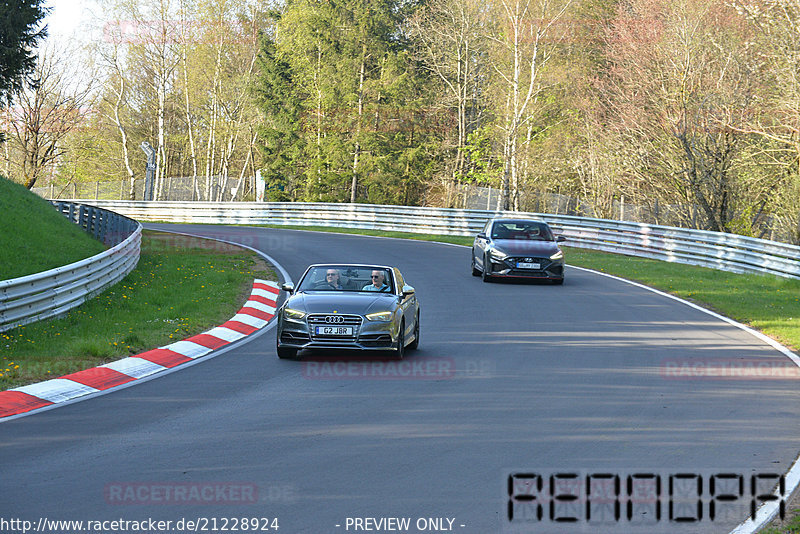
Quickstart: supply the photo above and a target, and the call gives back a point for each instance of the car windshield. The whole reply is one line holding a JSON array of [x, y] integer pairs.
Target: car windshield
[[347, 278], [530, 230]]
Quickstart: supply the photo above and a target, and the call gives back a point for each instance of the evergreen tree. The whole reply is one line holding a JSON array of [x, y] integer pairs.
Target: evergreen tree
[[20, 32], [280, 135]]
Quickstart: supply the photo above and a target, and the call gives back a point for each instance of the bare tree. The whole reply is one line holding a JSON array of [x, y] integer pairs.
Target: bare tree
[[116, 102], [43, 114], [775, 117], [185, 41], [528, 36], [451, 43], [154, 50], [678, 90]]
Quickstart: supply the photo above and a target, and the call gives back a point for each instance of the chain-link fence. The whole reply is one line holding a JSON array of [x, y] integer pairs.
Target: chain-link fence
[[770, 227], [175, 188]]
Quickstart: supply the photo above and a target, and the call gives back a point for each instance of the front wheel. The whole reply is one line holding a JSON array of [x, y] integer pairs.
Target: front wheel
[[414, 345], [475, 271], [401, 342], [286, 353], [558, 282], [484, 276]]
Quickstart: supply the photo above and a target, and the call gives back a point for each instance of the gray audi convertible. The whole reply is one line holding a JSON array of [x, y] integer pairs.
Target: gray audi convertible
[[358, 307]]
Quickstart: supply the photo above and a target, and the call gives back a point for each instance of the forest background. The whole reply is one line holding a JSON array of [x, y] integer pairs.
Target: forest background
[[689, 104]]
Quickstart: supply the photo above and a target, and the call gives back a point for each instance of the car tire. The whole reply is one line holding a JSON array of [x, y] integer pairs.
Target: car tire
[[401, 342], [558, 282], [485, 277], [286, 353], [414, 345], [475, 271]]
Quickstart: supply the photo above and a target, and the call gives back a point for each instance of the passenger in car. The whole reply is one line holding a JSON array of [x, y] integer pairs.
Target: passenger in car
[[378, 282]]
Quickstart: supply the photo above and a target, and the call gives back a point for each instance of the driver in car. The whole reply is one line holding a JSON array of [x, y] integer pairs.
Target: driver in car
[[378, 282], [332, 279]]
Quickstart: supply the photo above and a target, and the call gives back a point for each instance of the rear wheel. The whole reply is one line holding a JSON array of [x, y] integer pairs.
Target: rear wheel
[[414, 345]]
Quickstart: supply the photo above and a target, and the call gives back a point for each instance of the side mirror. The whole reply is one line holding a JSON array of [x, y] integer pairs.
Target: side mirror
[[289, 288], [482, 235], [561, 239], [408, 290]]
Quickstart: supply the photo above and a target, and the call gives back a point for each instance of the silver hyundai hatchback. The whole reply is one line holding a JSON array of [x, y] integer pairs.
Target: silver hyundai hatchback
[[518, 248], [349, 306]]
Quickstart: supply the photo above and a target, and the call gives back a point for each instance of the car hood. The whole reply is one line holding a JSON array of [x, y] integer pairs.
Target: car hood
[[526, 247], [341, 302]]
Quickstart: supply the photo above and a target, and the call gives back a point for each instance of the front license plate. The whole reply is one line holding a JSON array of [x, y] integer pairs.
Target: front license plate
[[523, 265], [334, 330]]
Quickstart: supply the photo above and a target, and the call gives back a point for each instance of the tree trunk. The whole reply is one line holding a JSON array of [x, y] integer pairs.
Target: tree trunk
[[357, 147]]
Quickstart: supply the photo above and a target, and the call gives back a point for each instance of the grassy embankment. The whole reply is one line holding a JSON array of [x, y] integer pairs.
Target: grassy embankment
[[182, 286], [34, 237]]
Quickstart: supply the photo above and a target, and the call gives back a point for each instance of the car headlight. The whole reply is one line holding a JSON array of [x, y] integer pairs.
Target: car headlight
[[379, 316], [498, 255], [557, 256], [293, 314]]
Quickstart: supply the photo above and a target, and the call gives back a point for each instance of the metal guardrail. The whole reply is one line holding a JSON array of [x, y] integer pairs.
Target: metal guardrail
[[51, 293], [728, 252]]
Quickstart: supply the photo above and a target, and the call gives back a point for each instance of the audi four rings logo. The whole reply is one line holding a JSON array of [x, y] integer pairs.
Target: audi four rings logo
[[334, 319]]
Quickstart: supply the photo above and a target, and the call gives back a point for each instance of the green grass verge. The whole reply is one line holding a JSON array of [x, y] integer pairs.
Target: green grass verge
[[791, 525], [34, 237], [767, 303], [182, 286]]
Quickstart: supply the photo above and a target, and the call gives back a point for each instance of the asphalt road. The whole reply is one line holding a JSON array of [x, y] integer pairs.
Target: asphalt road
[[509, 379]]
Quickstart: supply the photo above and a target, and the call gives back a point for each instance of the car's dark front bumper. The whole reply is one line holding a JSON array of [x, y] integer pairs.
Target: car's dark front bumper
[[507, 268], [368, 335]]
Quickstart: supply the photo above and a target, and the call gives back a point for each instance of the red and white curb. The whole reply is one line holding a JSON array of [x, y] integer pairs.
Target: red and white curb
[[254, 315]]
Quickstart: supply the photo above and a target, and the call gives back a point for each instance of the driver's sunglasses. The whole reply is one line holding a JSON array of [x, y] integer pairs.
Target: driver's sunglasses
[[331, 274], [376, 276]]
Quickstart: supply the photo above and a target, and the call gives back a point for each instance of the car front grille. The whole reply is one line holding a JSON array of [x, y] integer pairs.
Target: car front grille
[[543, 262], [353, 321]]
